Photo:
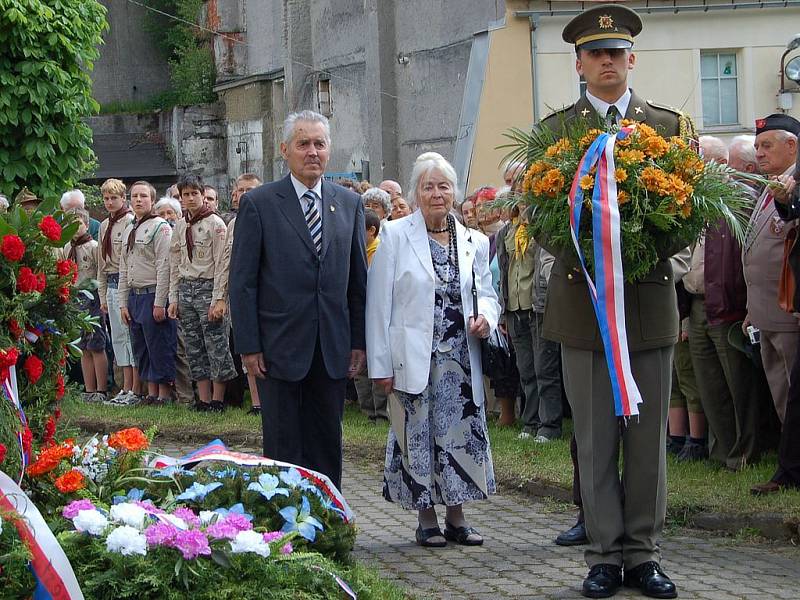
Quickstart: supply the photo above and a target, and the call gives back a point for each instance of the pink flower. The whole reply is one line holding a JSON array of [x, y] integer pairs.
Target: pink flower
[[271, 536], [287, 548], [70, 511], [240, 522], [192, 543], [187, 514], [222, 530], [148, 506], [161, 534]]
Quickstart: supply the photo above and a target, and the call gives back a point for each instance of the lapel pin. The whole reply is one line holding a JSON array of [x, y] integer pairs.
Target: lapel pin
[[585, 112], [333, 208], [638, 110]]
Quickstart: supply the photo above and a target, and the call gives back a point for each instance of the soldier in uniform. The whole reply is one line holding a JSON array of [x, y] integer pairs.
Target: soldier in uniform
[[197, 293], [143, 291], [624, 516], [109, 251]]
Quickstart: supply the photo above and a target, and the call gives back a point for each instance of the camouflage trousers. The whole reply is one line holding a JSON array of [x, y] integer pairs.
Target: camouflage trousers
[[207, 346]]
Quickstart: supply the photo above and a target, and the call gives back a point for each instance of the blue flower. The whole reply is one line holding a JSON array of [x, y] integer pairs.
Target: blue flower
[[267, 486], [173, 471], [226, 472], [328, 504], [235, 509], [300, 521], [198, 491], [293, 478], [132, 495]]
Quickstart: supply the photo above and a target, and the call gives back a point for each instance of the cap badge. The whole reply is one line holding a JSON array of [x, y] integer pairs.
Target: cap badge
[[761, 123], [605, 21]]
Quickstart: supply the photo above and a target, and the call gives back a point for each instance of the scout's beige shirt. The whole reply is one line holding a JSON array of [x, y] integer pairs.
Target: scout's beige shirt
[[147, 263], [208, 256], [86, 257], [228, 251], [111, 264]]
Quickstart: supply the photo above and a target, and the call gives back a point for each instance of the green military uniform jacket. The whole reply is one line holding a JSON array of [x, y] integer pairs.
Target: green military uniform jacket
[[651, 307]]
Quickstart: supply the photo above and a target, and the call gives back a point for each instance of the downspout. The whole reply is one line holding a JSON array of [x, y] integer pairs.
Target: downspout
[[534, 19]]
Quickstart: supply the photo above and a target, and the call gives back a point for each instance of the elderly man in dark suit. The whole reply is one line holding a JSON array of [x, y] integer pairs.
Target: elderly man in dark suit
[[298, 292], [624, 514]]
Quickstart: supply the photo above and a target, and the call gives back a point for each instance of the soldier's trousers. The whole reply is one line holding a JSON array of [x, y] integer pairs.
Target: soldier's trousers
[[206, 341]]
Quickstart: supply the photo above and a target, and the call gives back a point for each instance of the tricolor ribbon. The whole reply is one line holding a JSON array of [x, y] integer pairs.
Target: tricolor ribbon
[[55, 579], [608, 289], [10, 391], [217, 451]]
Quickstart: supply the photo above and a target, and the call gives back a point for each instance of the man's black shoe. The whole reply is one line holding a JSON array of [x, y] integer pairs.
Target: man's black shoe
[[603, 581], [575, 536], [651, 580]]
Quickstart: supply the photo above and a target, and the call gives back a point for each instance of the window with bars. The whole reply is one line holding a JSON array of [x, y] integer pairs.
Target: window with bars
[[719, 82]]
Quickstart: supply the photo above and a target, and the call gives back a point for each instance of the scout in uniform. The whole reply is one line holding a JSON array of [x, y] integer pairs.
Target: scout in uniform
[[197, 293], [109, 251], [82, 249], [624, 516], [143, 291], [234, 391]]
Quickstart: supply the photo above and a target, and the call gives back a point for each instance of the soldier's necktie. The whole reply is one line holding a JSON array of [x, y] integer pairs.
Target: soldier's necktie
[[612, 116], [313, 219]]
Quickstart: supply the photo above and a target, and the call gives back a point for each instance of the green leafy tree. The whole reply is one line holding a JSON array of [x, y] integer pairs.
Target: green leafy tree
[[48, 49]]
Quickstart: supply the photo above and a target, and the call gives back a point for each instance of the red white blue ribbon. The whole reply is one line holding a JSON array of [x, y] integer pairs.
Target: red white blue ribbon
[[9, 389], [55, 579], [217, 450], [608, 289]]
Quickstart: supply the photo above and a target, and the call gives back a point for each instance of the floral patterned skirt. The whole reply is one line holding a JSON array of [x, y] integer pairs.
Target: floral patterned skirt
[[438, 449]]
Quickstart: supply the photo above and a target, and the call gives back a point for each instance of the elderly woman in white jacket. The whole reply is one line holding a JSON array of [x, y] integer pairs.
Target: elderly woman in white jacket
[[429, 301]]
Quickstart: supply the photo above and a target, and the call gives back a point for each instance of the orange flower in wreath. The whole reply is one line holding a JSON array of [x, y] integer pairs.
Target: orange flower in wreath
[[132, 439], [70, 482], [49, 459]]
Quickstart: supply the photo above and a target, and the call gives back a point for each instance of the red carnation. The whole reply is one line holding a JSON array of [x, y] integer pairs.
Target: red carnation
[[14, 329], [27, 439], [50, 228], [2, 452], [60, 390], [12, 247], [33, 368], [63, 294], [49, 431], [26, 280], [57, 413], [41, 282], [9, 357], [66, 268]]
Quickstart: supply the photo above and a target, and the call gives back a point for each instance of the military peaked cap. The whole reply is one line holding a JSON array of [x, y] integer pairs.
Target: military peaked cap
[[604, 26]]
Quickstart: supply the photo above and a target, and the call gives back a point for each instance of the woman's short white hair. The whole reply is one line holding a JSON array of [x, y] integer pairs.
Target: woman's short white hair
[[3, 202], [425, 163], [308, 116], [170, 202], [376, 194], [66, 198]]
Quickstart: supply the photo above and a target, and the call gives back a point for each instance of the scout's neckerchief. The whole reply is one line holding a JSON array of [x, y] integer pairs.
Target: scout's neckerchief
[[204, 212], [113, 219], [73, 246], [136, 225], [608, 295]]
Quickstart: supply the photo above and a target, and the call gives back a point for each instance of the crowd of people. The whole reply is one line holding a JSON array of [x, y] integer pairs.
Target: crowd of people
[[322, 282]]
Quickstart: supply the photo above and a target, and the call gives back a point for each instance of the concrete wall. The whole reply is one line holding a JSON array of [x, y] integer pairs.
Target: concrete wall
[[130, 67]]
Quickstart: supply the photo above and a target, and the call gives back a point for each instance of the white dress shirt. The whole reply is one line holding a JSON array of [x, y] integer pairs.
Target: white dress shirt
[[601, 106], [300, 189]]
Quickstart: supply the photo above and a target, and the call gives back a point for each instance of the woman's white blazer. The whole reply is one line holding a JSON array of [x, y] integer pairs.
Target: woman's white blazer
[[400, 300]]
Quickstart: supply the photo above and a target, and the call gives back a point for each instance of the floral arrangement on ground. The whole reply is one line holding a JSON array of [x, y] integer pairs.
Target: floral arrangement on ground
[[666, 193], [132, 531]]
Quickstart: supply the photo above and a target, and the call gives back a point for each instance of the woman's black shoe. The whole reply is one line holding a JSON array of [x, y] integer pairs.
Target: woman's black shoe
[[461, 535], [424, 536], [574, 536], [254, 410]]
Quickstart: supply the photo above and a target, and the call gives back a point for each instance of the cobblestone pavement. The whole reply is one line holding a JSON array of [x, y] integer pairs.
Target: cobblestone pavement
[[519, 560]]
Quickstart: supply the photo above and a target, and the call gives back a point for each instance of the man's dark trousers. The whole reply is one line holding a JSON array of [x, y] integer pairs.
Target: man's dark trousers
[[302, 420]]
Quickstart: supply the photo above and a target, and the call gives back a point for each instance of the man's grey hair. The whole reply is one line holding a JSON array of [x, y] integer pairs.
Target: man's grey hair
[[3, 202], [308, 116], [171, 203], [713, 148], [425, 163], [67, 197], [785, 136], [378, 195], [744, 147]]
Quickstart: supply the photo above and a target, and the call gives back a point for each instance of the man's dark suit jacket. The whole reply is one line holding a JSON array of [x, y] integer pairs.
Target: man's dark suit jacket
[[283, 297]]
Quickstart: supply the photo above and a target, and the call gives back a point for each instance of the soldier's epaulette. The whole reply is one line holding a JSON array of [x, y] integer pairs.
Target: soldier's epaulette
[[555, 116], [555, 113], [671, 109]]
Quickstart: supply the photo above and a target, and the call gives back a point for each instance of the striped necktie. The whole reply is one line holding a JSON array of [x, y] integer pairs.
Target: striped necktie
[[313, 219]]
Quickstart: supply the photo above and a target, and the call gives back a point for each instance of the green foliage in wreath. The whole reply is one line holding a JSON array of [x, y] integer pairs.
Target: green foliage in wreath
[[16, 579]]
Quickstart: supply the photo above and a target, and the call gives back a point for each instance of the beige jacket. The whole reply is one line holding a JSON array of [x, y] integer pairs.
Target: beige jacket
[[208, 257], [110, 265], [147, 263]]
